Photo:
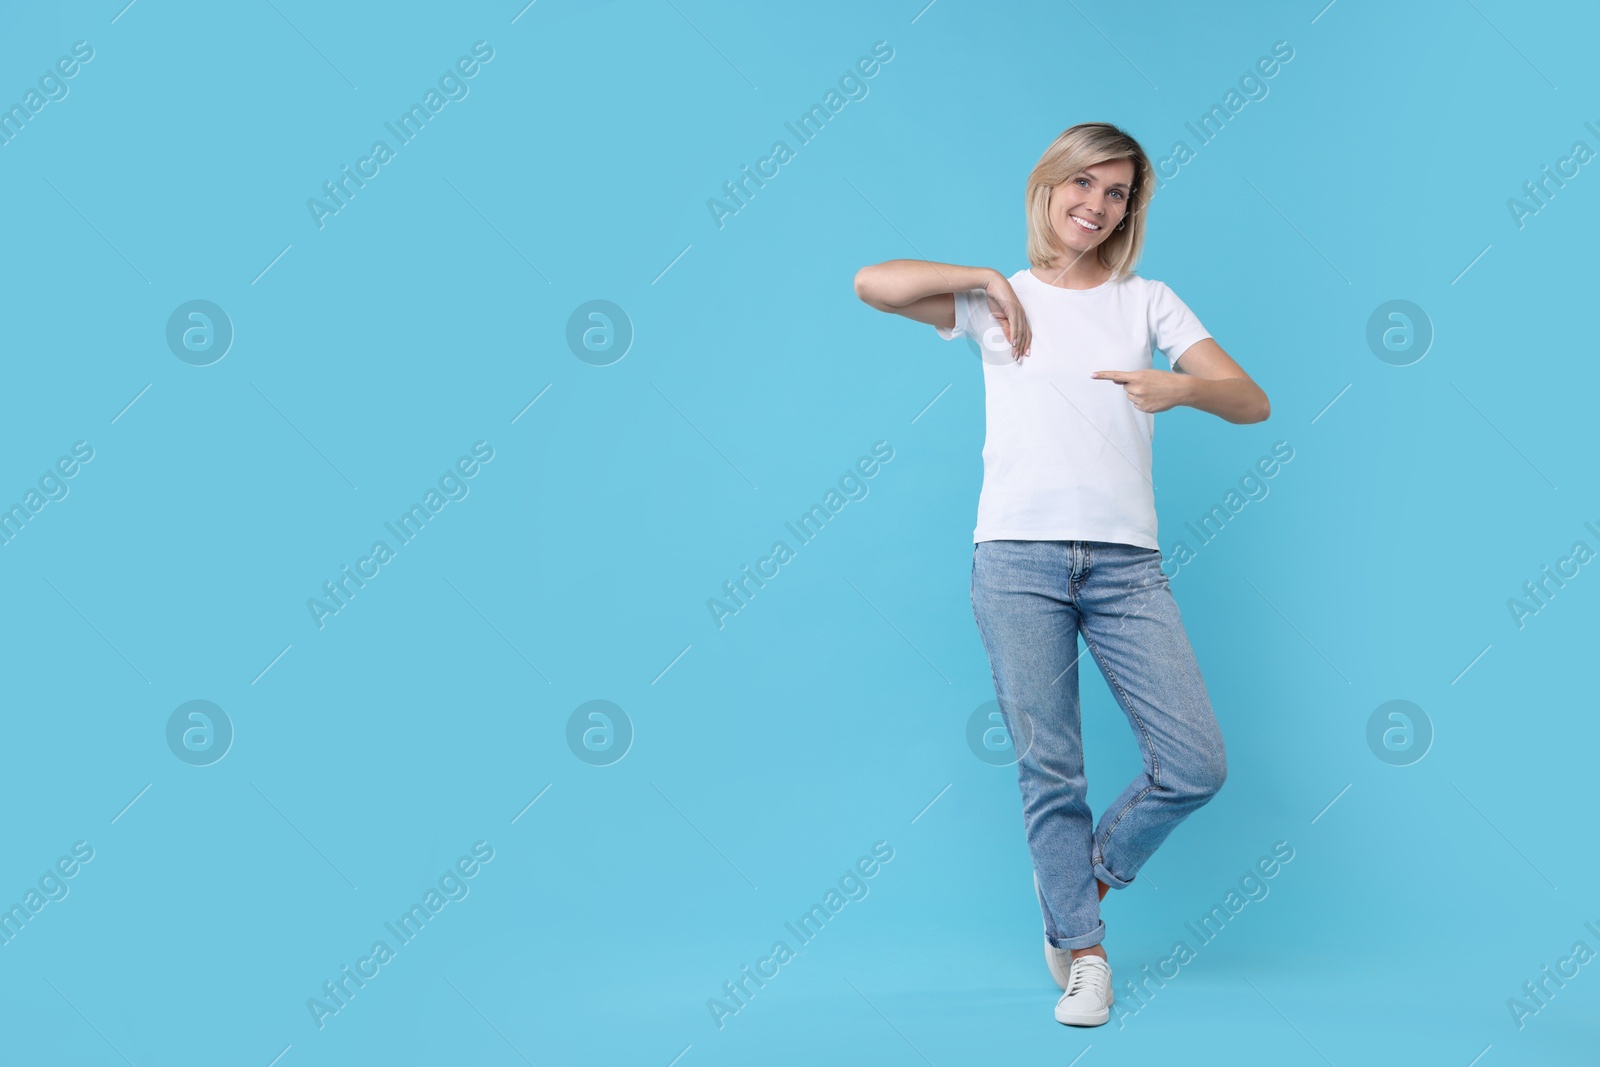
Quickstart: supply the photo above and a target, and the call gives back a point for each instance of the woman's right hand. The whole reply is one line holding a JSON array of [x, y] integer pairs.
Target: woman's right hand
[[1007, 310]]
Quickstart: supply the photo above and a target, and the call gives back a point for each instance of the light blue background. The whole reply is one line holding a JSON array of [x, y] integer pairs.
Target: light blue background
[[772, 753]]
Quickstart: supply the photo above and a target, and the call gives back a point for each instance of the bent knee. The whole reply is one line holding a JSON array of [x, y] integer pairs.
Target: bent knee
[[1203, 779], [1216, 772]]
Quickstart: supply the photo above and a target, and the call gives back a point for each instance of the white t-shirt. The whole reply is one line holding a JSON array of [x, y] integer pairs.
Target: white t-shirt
[[1066, 457]]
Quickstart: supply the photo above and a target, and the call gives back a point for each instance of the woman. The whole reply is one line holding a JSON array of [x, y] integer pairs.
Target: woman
[[1066, 536]]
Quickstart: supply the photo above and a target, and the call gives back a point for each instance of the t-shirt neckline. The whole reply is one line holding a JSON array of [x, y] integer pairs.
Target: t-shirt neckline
[[1063, 289]]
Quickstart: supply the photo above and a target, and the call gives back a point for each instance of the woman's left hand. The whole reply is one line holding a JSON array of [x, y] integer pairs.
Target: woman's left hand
[[1149, 390]]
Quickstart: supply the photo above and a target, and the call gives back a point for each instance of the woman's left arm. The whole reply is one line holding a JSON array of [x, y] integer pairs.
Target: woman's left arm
[[1207, 379]]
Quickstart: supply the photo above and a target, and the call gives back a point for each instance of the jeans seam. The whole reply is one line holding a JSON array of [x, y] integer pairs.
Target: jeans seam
[[1155, 759], [1127, 704], [1100, 856]]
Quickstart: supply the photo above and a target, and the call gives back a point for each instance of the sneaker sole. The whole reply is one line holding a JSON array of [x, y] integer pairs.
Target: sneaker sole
[[1084, 1019]]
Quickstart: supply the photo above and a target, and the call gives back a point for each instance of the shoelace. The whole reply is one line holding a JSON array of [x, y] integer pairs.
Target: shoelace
[[1086, 970]]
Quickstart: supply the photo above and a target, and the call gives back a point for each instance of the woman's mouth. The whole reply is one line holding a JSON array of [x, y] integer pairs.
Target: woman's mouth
[[1084, 225]]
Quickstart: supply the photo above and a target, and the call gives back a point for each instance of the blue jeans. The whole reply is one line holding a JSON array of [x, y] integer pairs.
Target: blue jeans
[[1031, 600]]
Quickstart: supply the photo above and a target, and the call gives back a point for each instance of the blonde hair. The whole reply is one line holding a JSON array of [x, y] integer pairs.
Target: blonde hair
[[1079, 147]]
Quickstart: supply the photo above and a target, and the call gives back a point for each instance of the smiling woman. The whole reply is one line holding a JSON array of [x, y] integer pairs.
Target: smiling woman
[[1065, 544]]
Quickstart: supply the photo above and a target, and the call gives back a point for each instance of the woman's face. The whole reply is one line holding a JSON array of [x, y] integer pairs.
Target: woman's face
[[1098, 196]]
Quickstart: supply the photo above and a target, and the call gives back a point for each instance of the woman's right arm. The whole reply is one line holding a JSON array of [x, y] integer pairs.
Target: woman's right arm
[[922, 291]]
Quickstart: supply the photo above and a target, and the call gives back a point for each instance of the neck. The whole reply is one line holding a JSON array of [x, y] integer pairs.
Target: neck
[[1081, 270]]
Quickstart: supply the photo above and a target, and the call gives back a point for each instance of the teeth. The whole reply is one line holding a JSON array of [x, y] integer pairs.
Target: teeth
[[1084, 224]]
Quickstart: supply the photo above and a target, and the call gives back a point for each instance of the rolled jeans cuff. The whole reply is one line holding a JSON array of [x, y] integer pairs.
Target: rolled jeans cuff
[[1108, 878], [1093, 937]]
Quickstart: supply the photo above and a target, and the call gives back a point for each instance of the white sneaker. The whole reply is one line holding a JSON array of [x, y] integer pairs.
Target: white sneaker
[[1087, 1001], [1059, 960]]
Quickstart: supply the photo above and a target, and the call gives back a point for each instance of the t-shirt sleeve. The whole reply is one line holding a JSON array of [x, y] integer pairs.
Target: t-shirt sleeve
[[977, 323], [966, 314], [1173, 327]]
